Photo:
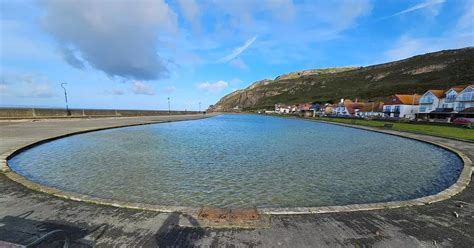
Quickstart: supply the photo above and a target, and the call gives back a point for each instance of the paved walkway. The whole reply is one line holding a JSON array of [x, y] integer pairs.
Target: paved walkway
[[25, 214]]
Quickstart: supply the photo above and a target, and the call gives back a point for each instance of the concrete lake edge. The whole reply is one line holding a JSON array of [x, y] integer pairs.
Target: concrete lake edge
[[461, 183]]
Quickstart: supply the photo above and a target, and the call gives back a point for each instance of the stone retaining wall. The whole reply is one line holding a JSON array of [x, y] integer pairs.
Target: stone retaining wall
[[16, 113]]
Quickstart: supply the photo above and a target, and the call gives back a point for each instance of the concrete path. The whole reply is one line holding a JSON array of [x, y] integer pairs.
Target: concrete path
[[25, 214]]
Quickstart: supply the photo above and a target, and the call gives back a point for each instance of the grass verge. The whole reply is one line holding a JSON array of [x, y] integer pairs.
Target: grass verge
[[428, 129], [434, 130]]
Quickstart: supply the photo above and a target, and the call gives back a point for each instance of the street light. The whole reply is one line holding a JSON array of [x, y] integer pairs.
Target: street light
[[65, 97], [169, 107]]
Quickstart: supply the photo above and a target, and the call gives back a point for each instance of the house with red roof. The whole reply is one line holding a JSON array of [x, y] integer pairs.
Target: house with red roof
[[430, 101], [370, 109], [447, 105], [465, 99], [401, 106], [464, 102]]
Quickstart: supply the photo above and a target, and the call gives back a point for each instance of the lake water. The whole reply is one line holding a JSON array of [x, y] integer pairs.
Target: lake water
[[241, 161]]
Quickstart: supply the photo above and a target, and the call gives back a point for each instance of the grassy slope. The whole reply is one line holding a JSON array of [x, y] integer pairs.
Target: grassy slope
[[358, 83], [372, 82]]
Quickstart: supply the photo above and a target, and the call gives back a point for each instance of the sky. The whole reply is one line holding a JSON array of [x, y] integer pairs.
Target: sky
[[115, 54]]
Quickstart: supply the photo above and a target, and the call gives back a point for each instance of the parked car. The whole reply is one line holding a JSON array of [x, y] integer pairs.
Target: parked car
[[468, 122]]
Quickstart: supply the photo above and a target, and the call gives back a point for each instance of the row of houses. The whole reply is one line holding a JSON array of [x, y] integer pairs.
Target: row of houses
[[345, 107], [433, 105]]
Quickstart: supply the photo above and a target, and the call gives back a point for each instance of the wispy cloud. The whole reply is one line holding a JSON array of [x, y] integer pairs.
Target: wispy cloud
[[237, 51], [118, 92], [420, 6], [25, 85], [142, 88], [465, 22], [168, 89], [238, 63], [407, 46], [213, 87], [191, 11]]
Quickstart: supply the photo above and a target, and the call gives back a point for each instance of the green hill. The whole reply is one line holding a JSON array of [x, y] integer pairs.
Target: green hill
[[438, 70]]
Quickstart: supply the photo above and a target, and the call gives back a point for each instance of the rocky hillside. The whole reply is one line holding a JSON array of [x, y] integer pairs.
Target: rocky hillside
[[438, 70]]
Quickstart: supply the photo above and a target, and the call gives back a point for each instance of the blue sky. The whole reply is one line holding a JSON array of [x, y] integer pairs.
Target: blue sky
[[135, 54]]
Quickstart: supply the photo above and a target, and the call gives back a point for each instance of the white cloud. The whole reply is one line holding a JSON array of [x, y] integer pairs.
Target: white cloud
[[191, 11], [169, 89], [118, 92], [407, 46], [466, 21], [238, 63], [235, 81], [213, 87], [119, 38], [142, 88], [237, 51], [428, 4], [459, 35], [3, 88], [14, 43], [25, 85]]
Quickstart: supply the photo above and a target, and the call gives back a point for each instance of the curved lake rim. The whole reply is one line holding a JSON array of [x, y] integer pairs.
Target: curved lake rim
[[153, 206]]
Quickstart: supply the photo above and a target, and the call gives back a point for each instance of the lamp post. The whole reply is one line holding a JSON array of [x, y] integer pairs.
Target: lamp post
[[65, 97], [169, 107]]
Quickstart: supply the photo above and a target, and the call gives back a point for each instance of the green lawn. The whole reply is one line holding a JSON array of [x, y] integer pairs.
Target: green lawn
[[444, 131]]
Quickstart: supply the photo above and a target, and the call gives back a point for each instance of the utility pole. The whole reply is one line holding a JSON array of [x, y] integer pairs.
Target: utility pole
[[199, 106], [169, 107], [65, 97]]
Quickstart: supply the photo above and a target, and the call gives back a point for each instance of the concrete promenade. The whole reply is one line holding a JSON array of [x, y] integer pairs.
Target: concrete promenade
[[25, 214]]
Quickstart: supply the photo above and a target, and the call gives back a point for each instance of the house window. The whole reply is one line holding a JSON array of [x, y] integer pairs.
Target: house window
[[397, 109], [466, 97], [388, 109], [427, 99], [451, 96], [460, 107]]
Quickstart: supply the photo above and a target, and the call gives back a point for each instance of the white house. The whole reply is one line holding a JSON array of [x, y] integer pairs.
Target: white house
[[430, 101], [465, 99], [342, 109], [282, 109], [451, 95], [402, 106]]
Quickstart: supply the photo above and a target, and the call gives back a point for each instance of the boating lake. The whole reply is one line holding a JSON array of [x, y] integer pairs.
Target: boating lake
[[241, 161]]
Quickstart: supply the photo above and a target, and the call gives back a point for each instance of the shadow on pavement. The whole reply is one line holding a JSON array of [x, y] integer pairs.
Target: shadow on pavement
[[23, 231], [171, 234]]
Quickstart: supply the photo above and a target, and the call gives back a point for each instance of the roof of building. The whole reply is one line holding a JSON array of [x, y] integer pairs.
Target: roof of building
[[457, 88], [408, 99], [372, 106], [437, 93]]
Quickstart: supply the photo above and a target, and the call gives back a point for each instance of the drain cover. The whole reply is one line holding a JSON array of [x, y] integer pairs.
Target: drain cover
[[214, 214], [228, 214], [243, 214]]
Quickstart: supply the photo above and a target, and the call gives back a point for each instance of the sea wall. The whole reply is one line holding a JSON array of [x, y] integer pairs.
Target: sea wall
[[17, 113]]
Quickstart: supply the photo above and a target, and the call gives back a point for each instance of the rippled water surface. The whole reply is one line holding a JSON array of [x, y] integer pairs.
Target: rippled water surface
[[241, 161]]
